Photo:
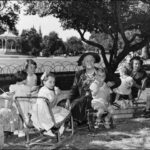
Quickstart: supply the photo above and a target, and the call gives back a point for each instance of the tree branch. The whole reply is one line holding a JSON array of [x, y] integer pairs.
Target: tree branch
[[118, 18], [95, 45], [129, 48]]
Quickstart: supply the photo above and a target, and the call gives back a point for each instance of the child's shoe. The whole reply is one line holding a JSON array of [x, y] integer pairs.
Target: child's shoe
[[49, 133], [16, 132], [21, 133], [61, 130]]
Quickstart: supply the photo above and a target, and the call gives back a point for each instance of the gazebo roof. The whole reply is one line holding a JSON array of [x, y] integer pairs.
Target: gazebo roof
[[8, 34]]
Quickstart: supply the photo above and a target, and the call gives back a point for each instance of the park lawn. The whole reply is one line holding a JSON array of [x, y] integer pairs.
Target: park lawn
[[133, 133], [127, 134]]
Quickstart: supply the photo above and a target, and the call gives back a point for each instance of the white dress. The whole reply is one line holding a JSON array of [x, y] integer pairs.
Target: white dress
[[22, 90], [101, 100], [40, 114], [125, 87]]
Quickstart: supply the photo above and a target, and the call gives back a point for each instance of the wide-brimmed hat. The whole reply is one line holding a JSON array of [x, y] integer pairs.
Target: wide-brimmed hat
[[95, 55]]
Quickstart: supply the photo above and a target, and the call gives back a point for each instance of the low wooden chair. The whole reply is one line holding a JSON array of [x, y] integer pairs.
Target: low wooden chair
[[41, 139]]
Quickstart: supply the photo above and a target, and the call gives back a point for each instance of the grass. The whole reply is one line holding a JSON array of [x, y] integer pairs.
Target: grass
[[127, 134], [133, 133]]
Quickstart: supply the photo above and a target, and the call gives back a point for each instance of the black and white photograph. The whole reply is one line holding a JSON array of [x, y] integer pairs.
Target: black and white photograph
[[74, 74]]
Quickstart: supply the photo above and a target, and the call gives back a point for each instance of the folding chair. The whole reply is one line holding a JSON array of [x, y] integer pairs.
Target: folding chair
[[40, 140]]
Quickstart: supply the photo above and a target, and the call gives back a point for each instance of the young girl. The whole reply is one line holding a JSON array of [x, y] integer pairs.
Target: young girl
[[31, 80], [40, 116], [21, 89]]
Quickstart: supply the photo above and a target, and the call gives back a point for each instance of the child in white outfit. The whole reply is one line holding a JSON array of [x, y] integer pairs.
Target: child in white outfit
[[40, 116], [21, 89], [101, 96], [124, 90]]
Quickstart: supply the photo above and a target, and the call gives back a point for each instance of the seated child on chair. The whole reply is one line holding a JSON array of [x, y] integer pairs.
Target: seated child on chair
[[124, 90], [21, 89], [100, 102], [40, 116]]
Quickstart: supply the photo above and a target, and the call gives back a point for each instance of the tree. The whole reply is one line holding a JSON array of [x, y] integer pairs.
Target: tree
[[113, 17], [52, 44], [30, 42], [74, 46], [8, 15]]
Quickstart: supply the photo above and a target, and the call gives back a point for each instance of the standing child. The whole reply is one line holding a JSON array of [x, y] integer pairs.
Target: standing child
[[40, 116], [31, 80]]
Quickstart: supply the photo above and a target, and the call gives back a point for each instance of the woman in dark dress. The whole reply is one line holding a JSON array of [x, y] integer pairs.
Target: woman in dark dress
[[82, 82]]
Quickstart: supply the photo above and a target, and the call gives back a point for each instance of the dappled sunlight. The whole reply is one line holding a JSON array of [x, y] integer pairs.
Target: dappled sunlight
[[141, 119], [140, 139]]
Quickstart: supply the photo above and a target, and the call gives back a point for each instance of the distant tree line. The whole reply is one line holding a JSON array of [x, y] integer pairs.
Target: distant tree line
[[31, 42]]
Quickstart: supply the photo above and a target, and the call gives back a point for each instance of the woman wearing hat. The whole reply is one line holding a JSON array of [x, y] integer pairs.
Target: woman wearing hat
[[82, 82]]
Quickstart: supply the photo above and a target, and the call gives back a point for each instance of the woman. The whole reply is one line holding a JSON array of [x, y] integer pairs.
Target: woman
[[82, 82], [138, 74]]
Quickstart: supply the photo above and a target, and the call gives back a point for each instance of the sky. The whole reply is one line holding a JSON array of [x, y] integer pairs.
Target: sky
[[47, 25]]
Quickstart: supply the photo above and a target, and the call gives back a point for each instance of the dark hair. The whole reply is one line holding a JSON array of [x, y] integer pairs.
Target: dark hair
[[20, 76], [136, 58], [30, 61]]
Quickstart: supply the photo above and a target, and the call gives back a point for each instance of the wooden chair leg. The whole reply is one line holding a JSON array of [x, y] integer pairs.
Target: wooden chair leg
[[72, 126]]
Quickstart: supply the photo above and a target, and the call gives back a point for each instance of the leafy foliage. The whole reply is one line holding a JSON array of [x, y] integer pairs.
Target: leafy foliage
[[74, 46], [30, 42], [114, 18], [52, 44], [9, 16]]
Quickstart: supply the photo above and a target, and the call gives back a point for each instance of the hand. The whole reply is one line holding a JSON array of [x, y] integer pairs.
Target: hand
[[110, 83], [67, 106]]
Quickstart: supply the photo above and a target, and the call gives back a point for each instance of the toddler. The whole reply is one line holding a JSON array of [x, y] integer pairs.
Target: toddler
[[101, 96], [124, 90]]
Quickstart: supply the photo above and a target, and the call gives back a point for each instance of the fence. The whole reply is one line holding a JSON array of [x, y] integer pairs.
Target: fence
[[64, 72]]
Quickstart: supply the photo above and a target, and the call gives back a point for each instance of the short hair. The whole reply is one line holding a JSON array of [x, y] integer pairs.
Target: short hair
[[20, 76], [46, 75], [136, 58], [29, 62]]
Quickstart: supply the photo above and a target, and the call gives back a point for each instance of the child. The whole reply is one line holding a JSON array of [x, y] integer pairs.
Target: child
[[31, 80], [8, 112], [21, 89], [100, 102], [124, 90], [41, 117]]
